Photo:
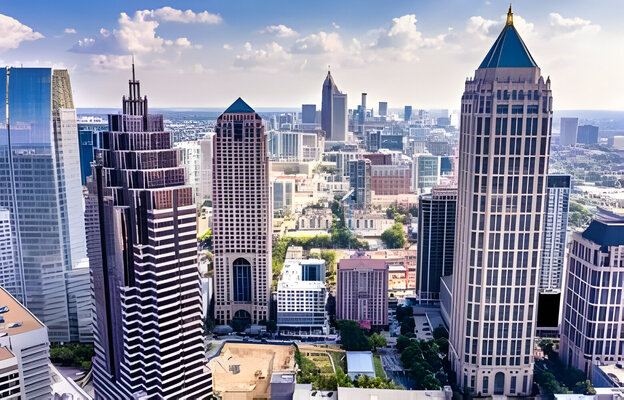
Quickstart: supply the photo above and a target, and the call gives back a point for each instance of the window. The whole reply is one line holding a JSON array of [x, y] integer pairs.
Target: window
[[502, 109], [241, 271]]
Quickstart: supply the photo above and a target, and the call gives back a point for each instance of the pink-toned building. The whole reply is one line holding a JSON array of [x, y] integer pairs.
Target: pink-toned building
[[362, 292]]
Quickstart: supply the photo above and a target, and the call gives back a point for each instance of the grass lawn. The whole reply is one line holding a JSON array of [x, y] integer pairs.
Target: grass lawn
[[322, 361], [340, 359], [379, 371]]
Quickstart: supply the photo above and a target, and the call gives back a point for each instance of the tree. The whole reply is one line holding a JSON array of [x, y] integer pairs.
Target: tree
[[443, 344], [352, 336], [377, 341], [402, 343], [393, 238], [209, 324], [584, 387], [440, 332], [205, 240]]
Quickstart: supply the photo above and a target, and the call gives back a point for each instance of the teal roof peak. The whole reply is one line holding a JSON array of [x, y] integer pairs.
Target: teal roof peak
[[508, 51], [239, 106]]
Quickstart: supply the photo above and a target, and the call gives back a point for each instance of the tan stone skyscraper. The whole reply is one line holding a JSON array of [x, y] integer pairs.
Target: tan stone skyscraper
[[506, 112], [242, 217]]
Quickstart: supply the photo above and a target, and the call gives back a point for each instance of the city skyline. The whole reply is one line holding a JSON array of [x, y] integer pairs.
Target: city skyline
[[279, 59]]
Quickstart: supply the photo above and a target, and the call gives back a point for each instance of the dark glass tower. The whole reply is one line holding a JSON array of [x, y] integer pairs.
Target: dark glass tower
[[142, 243], [436, 240], [329, 88]]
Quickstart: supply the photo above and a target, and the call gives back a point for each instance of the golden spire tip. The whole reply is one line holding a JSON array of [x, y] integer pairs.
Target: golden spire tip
[[509, 16]]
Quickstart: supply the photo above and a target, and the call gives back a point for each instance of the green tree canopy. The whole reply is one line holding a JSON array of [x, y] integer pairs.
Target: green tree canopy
[[394, 238]]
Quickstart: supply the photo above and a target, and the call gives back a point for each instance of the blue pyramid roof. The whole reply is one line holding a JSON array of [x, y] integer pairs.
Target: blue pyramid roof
[[239, 106], [508, 51]]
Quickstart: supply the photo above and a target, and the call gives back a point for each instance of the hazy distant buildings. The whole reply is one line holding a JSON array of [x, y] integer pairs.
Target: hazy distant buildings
[[436, 240], [295, 146], [407, 114], [362, 291], [143, 254], [24, 352], [242, 217], [360, 183], [308, 113], [334, 118], [506, 112], [587, 134], [383, 108], [190, 153], [593, 305], [41, 188], [9, 274], [568, 131]]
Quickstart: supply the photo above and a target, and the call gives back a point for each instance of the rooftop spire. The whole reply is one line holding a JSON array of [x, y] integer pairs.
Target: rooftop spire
[[509, 17], [133, 79]]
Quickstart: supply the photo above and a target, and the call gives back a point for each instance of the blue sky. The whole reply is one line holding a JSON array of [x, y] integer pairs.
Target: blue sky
[[275, 53]]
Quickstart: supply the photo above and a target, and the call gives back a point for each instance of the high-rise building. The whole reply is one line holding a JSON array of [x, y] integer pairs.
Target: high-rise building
[[190, 153], [555, 228], [362, 291], [426, 172], [143, 253], [568, 131], [41, 188], [407, 115], [24, 352], [587, 134], [593, 304], [334, 119], [308, 113], [205, 145], [242, 217], [301, 296], [360, 182], [383, 108], [436, 240], [506, 114], [9, 275], [90, 136]]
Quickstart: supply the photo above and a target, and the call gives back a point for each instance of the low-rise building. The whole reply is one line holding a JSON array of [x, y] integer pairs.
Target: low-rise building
[[360, 363], [315, 219], [24, 351]]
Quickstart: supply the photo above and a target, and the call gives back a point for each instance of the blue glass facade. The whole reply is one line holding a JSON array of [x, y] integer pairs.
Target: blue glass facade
[[35, 180], [90, 138]]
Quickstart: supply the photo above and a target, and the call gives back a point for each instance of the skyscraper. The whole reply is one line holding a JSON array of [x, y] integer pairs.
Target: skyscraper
[[555, 227], [593, 305], [40, 186], [242, 217], [143, 253], [407, 115], [436, 240], [334, 118], [308, 113], [360, 176], [383, 108], [506, 116], [568, 131], [587, 134]]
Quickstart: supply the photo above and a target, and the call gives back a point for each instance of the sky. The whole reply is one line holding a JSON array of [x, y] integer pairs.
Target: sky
[[276, 53]]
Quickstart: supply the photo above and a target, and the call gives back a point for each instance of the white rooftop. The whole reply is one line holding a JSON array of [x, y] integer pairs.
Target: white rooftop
[[360, 363]]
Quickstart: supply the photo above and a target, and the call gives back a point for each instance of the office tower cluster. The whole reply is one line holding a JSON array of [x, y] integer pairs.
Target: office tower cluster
[[242, 222], [506, 113], [143, 254]]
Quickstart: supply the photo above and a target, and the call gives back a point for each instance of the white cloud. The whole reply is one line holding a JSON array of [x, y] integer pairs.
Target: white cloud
[[335, 25], [322, 42], [271, 57], [573, 25], [70, 31], [479, 26], [170, 14], [108, 62], [404, 37], [138, 34], [227, 46], [13, 33], [280, 31]]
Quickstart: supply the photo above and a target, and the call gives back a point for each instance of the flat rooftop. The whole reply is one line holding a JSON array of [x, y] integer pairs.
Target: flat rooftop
[[5, 354], [16, 313], [240, 367]]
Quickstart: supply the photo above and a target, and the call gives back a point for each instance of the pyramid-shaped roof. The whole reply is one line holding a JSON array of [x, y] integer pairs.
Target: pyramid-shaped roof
[[239, 106], [508, 51]]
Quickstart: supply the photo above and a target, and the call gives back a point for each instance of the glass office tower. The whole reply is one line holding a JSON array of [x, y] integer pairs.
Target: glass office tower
[[40, 186]]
